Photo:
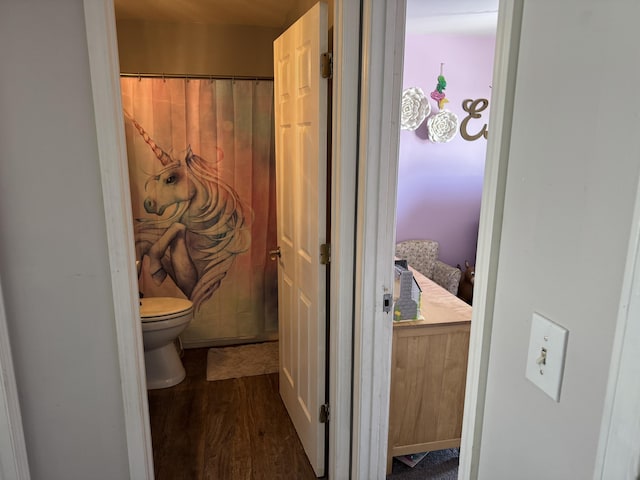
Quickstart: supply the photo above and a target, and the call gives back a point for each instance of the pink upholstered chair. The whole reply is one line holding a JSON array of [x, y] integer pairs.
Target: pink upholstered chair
[[423, 256]]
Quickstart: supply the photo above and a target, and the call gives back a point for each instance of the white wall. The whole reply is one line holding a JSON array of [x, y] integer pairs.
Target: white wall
[[572, 178], [53, 252]]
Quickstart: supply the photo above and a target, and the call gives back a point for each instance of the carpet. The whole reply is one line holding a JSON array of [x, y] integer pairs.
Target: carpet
[[437, 465], [242, 361]]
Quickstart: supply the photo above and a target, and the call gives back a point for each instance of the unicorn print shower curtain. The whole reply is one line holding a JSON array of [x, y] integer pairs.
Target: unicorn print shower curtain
[[202, 178]]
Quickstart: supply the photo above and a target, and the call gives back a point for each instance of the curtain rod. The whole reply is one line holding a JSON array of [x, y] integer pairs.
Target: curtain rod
[[195, 77]]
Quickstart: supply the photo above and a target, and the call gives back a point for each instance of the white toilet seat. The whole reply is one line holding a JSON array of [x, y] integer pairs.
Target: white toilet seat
[[163, 319], [157, 309]]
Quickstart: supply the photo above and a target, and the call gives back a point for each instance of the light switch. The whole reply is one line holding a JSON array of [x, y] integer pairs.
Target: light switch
[[545, 359]]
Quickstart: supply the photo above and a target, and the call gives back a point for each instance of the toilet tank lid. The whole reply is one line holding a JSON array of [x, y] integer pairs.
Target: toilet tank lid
[[161, 306]]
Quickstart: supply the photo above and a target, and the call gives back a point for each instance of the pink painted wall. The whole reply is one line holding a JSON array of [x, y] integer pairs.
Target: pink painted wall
[[440, 185]]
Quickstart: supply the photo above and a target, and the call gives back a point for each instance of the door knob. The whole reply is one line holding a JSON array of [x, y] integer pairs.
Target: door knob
[[273, 254]]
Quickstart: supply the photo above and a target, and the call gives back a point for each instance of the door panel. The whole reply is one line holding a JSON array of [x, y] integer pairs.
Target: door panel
[[301, 169]]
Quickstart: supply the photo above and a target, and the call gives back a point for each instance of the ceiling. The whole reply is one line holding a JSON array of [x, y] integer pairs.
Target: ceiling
[[423, 16]]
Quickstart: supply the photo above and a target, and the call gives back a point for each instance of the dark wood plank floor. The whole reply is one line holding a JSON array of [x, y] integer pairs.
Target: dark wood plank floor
[[229, 430]]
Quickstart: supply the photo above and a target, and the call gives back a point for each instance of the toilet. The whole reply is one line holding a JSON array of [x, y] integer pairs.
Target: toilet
[[163, 319]]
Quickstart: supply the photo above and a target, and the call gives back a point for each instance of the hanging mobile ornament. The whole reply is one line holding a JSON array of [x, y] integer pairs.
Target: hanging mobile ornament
[[442, 126]]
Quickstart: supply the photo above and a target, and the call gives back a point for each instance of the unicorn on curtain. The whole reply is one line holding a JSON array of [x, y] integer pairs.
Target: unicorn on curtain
[[197, 243]]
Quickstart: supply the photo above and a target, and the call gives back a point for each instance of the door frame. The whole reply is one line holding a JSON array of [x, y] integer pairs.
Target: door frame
[[619, 446], [490, 231], [344, 149], [383, 24], [618, 454], [105, 71], [14, 464], [383, 47]]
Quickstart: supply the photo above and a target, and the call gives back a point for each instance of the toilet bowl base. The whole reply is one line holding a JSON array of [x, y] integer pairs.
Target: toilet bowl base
[[164, 367]]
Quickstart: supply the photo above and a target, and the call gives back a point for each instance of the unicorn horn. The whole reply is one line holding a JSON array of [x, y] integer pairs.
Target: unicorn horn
[[159, 153]]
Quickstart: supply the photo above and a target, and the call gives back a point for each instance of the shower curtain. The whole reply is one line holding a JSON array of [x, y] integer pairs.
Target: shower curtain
[[202, 179]]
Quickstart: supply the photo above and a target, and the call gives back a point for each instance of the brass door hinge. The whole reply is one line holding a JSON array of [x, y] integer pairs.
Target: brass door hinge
[[325, 254], [324, 413], [326, 65]]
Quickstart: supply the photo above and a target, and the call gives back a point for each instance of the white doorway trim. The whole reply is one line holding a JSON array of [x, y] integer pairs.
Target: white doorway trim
[[618, 453], [13, 451], [383, 24], [490, 231], [114, 173], [344, 148], [619, 448], [105, 71], [383, 46]]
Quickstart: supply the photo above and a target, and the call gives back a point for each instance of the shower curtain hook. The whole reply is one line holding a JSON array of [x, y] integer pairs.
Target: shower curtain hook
[[139, 77]]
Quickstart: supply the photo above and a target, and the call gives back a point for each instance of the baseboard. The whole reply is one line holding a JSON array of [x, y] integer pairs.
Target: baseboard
[[224, 342]]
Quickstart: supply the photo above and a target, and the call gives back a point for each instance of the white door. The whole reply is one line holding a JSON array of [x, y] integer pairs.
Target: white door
[[301, 175]]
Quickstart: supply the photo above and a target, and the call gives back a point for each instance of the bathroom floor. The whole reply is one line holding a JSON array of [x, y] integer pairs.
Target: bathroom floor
[[230, 429]]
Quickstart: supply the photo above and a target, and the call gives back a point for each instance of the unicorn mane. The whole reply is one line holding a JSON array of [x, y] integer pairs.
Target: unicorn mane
[[224, 223]]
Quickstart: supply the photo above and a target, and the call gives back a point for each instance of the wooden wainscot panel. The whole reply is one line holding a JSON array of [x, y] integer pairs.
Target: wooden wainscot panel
[[428, 375]]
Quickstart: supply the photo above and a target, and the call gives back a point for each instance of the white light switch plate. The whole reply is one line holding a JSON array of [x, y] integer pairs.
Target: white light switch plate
[[547, 374]]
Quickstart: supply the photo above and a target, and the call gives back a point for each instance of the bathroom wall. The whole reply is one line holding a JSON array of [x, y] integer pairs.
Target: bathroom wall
[[200, 48], [440, 184], [302, 7], [53, 247], [179, 48]]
